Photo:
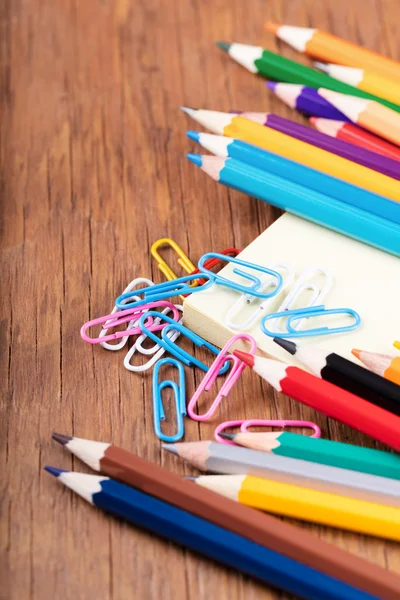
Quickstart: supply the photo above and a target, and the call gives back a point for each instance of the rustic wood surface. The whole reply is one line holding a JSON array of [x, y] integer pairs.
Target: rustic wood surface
[[93, 171]]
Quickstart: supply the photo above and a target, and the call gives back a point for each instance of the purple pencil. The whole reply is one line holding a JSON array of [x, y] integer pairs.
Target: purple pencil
[[369, 159], [306, 100]]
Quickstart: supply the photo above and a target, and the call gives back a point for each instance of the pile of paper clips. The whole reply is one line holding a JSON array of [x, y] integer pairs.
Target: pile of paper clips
[[144, 308]]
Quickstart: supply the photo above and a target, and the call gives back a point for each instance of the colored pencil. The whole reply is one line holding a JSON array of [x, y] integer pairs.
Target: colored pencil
[[236, 126], [363, 80], [306, 504], [384, 365], [357, 136], [318, 450], [205, 538], [328, 398], [366, 113], [396, 345], [361, 156], [234, 460], [305, 99], [330, 48], [262, 529], [278, 165], [274, 66], [303, 202], [346, 374]]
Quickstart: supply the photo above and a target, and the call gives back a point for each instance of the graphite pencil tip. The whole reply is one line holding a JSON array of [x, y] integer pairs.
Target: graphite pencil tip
[[54, 471], [227, 436], [286, 345], [356, 352], [170, 448], [271, 85], [272, 27], [247, 358], [195, 158], [321, 66], [61, 439], [193, 135], [224, 46]]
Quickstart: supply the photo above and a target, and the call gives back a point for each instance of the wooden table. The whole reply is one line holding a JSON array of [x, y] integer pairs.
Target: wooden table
[[94, 170]]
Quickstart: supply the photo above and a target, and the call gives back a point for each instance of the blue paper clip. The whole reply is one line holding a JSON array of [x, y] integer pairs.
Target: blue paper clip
[[172, 348], [308, 312], [179, 392], [167, 289], [253, 290]]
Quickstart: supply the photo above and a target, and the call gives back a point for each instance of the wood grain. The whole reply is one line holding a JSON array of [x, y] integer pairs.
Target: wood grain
[[93, 171]]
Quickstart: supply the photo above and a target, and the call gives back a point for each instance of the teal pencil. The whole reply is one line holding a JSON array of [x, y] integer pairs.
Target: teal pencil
[[324, 452], [303, 202]]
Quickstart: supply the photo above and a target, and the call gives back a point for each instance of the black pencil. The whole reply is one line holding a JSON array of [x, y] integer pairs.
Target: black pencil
[[345, 374]]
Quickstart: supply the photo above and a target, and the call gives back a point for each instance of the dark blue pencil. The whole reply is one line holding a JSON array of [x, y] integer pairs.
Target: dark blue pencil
[[206, 538]]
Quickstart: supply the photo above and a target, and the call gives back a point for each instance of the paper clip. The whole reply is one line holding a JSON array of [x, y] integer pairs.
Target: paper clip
[[179, 397], [253, 290], [237, 369], [157, 351], [396, 345], [246, 299], [131, 286], [214, 262], [183, 260], [172, 348], [307, 313], [245, 424], [131, 315], [168, 289]]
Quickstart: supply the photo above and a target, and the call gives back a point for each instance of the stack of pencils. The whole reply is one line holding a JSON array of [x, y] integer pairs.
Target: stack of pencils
[[235, 535], [344, 176]]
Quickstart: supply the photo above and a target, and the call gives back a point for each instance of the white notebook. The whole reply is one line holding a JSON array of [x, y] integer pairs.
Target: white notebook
[[365, 279]]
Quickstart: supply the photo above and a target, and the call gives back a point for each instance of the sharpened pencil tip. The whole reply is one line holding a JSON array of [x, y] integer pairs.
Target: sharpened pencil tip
[[170, 448], [61, 439], [54, 471], [193, 135], [356, 352], [286, 345], [313, 120], [245, 357], [271, 85], [227, 436], [321, 66], [195, 158], [272, 27], [188, 478], [224, 46], [189, 110]]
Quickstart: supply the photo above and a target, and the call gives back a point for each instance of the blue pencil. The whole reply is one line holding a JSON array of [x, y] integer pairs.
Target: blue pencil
[[288, 169], [206, 538], [303, 202]]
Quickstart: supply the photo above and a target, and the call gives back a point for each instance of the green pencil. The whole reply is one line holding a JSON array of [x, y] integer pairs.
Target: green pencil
[[324, 452], [273, 66]]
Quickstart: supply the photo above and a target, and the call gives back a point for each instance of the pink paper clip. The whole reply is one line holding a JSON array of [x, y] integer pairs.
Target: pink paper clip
[[237, 368], [244, 424], [132, 314]]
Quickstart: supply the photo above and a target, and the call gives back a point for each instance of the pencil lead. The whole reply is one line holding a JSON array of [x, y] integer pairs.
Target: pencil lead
[[356, 352], [189, 478], [54, 471], [227, 436], [196, 159], [286, 345], [224, 46], [189, 110], [271, 85], [245, 357], [170, 448], [271, 27], [61, 439], [321, 66], [193, 135], [313, 120]]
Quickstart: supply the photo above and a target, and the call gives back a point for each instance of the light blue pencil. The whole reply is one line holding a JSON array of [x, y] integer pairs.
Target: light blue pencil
[[298, 173], [303, 202]]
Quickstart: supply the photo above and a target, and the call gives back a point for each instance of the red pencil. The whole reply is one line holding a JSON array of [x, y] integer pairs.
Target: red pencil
[[348, 132], [327, 398]]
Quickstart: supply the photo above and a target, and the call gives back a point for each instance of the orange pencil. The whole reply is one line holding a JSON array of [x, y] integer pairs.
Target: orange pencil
[[332, 49], [383, 364]]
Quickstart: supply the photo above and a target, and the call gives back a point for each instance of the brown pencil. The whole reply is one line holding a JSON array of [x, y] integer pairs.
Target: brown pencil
[[260, 528]]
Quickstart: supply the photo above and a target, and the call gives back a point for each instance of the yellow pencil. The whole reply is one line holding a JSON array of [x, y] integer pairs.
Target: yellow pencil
[[362, 79], [396, 345], [367, 114], [307, 504], [241, 128]]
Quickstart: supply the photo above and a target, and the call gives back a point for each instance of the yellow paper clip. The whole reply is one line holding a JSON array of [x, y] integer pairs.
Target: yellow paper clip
[[396, 345], [183, 260]]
